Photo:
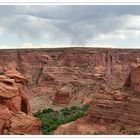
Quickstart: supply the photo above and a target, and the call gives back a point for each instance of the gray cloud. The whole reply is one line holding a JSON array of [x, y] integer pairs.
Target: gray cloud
[[77, 24]]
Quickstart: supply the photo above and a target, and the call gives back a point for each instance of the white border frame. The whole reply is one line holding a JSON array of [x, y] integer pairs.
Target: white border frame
[[70, 2]]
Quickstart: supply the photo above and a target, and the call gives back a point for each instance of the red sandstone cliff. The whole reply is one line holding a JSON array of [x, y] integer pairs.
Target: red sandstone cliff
[[82, 70], [84, 73], [15, 112], [111, 111]]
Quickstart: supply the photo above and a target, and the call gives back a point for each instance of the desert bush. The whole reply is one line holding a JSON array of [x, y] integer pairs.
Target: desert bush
[[37, 114], [74, 108], [85, 107], [2, 73], [64, 109], [65, 113], [48, 110]]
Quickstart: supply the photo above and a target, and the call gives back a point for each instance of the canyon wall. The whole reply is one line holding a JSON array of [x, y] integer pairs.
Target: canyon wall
[[109, 76], [82, 71], [111, 111]]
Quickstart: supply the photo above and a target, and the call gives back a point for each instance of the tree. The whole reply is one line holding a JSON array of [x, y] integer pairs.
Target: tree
[[48, 110], [74, 108]]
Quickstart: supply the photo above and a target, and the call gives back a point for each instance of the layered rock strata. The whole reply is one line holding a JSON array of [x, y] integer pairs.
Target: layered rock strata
[[111, 111], [61, 98], [84, 69], [58, 67]]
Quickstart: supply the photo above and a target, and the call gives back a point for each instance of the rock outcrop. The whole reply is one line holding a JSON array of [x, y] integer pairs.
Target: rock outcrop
[[86, 101], [114, 111], [5, 115], [61, 98], [22, 124], [80, 127], [15, 112], [135, 79]]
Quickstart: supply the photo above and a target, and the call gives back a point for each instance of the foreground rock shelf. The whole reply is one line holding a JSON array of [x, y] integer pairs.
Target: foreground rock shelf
[[15, 113]]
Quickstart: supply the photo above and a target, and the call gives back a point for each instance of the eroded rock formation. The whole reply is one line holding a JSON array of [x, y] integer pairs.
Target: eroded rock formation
[[111, 111], [50, 69], [110, 76], [15, 112], [61, 98], [85, 69]]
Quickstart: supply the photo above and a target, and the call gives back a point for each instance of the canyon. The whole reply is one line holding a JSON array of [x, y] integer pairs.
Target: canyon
[[107, 79], [111, 112]]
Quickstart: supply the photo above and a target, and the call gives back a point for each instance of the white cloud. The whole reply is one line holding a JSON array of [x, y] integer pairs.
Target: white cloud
[[114, 35], [30, 45], [73, 25], [132, 21]]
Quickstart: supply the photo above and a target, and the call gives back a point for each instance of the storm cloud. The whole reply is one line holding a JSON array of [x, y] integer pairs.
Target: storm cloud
[[74, 24]]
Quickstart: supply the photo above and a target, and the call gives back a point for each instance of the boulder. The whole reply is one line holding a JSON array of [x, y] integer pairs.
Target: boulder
[[23, 124], [13, 104], [15, 112], [5, 115], [8, 88], [14, 74], [86, 101]]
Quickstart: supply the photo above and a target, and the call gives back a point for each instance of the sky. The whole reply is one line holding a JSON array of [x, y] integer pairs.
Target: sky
[[42, 26]]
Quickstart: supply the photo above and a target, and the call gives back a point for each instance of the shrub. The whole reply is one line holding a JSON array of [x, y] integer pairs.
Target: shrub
[[2, 73], [74, 108], [69, 119], [85, 107], [47, 110], [80, 114], [37, 114], [64, 109], [53, 126], [45, 131], [65, 113]]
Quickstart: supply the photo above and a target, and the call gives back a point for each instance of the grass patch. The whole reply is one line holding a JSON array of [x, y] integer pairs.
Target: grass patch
[[51, 119]]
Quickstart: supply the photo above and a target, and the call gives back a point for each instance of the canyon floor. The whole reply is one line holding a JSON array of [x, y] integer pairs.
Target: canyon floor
[[106, 79]]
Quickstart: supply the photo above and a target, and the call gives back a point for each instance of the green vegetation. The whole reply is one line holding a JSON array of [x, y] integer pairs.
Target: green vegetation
[[2, 73], [51, 119]]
